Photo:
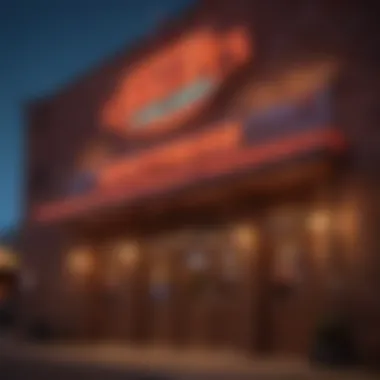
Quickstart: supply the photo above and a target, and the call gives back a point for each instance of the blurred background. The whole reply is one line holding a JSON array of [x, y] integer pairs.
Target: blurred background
[[195, 174]]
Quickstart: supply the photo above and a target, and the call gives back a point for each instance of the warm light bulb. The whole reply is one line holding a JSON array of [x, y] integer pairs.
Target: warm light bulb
[[128, 254], [80, 261], [319, 221], [245, 237]]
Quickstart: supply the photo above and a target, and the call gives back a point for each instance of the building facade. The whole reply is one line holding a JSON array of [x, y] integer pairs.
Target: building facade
[[214, 187]]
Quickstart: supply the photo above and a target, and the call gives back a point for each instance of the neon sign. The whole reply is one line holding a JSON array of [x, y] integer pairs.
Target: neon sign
[[190, 93], [311, 111], [222, 164], [286, 130], [190, 153], [179, 156], [166, 88]]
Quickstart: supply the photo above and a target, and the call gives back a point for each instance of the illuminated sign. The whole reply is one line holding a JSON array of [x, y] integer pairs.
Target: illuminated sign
[[224, 148], [250, 157], [189, 94], [311, 111], [183, 155], [166, 88]]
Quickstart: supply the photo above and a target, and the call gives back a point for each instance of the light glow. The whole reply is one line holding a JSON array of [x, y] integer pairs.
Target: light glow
[[245, 237], [128, 254], [80, 261]]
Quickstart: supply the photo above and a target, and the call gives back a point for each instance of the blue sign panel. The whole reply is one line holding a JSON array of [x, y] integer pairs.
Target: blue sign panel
[[310, 112]]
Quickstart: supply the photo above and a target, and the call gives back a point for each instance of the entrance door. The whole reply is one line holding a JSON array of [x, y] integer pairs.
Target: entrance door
[[291, 286], [233, 271], [214, 284], [200, 289], [199, 271]]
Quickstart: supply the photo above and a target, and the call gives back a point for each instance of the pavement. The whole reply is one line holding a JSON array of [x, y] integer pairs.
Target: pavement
[[20, 360]]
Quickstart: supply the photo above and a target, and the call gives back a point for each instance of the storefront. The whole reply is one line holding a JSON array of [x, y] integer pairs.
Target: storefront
[[223, 215], [235, 271], [232, 262]]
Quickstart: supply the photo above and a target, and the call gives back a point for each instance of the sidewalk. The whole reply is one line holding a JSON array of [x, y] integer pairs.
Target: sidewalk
[[168, 363]]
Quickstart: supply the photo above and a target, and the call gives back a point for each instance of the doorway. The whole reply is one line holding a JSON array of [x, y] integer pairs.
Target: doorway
[[200, 289], [290, 295]]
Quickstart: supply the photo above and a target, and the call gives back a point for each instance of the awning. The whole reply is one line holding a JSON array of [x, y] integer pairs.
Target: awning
[[259, 138], [325, 139]]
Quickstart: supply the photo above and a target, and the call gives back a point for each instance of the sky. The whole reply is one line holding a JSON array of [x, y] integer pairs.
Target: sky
[[45, 44]]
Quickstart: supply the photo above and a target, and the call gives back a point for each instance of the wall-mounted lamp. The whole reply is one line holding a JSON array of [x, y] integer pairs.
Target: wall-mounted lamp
[[121, 261], [127, 254], [80, 261], [319, 224], [319, 221], [245, 237]]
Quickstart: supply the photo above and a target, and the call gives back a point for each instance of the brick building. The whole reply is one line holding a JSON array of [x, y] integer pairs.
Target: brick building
[[214, 186]]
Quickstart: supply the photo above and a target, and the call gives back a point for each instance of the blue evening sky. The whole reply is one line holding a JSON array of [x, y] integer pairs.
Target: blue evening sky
[[44, 44]]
